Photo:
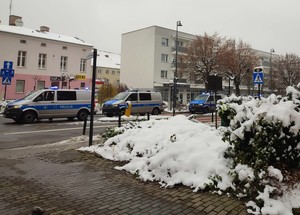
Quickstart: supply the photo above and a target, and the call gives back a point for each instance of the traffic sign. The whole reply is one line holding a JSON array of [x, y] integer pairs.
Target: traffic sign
[[7, 73], [258, 77], [8, 65], [6, 80]]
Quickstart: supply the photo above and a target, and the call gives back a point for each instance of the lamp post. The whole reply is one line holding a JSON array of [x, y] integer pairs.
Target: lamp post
[[70, 78], [178, 24], [271, 72]]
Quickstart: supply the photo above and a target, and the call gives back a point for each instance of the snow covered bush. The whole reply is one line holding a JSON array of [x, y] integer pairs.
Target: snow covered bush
[[264, 135]]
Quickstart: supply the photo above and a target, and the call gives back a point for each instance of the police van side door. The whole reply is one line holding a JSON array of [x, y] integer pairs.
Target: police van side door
[[44, 103], [67, 104], [145, 103], [133, 98]]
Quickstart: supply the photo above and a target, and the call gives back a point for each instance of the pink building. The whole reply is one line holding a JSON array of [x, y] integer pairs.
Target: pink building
[[42, 60]]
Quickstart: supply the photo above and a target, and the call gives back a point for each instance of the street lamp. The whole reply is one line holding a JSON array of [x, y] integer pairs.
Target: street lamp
[[70, 78], [178, 24], [271, 72]]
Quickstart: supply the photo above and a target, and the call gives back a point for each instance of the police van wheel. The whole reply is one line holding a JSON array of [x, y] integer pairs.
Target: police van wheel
[[206, 110], [155, 111], [29, 117], [82, 115]]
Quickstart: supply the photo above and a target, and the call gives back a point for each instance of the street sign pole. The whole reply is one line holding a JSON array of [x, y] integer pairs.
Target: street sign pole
[[93, 97], [7, 73], [5, 88], [258, 78]]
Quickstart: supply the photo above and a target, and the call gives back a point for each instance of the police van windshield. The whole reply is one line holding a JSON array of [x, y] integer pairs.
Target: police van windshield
[[201, 97], [121, 96], [31, 95]]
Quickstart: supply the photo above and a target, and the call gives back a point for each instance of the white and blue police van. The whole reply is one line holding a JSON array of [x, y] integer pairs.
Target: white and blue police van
[[204, 103], [141, 103], [49, 104]]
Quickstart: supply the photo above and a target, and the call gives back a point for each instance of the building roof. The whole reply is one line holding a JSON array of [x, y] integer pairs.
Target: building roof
[[42, 34], [108, 60]]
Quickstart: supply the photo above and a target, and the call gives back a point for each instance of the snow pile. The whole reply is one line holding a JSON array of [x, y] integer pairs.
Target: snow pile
[[174, 151]]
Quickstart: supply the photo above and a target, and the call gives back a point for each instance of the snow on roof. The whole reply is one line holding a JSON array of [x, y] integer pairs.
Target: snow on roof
[[108, 60], [44, 35]]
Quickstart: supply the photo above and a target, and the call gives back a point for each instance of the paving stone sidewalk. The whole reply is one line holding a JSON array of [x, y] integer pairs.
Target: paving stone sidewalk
[[66, 182]]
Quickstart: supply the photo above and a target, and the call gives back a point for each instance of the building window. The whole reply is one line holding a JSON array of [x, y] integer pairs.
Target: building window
[[164, 58], [179, 43], [65, 48], [42, 61], [43, 44], [107, 71], [82, 84], [23, 41], [164, 41], [113, 72], [118, 72], [54, 83], [99, 71], [164, 74], [82, 65], [63, 63], [40, 85], [20, 86], [21, 59]]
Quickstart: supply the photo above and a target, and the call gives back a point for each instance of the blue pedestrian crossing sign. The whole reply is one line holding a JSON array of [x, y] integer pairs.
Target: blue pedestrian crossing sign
[[6, 80], [7, 72], [258, 77]]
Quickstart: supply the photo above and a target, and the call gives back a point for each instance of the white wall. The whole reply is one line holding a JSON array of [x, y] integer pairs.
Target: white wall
[[137, 58]]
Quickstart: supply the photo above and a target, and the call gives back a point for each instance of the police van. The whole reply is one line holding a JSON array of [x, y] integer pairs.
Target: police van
[[141, 103], [49, 104], [204, 103]]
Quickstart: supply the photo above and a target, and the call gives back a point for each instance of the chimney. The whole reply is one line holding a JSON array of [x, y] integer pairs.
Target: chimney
[[44, 29], [15, 20]]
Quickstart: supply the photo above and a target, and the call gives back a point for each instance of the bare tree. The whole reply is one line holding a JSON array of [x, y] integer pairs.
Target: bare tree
[[287, 69], [236, 60], [201, 58]]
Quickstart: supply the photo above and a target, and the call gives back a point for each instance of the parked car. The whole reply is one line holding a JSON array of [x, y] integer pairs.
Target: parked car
[[141, 103], [50, 104], [204, 103]]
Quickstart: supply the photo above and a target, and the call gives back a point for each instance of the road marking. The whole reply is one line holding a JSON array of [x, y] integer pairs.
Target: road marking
[[52, 130]]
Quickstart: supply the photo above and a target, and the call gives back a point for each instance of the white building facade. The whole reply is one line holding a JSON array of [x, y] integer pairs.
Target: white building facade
[[42, 60], [147, 63]]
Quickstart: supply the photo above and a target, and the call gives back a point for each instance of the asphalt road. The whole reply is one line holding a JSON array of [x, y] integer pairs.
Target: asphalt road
[[15, 135]]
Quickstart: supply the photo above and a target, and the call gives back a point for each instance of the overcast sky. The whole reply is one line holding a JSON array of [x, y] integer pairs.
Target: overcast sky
[[264, 24]]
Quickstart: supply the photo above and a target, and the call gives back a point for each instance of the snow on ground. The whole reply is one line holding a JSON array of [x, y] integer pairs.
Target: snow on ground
[[180, 151]]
